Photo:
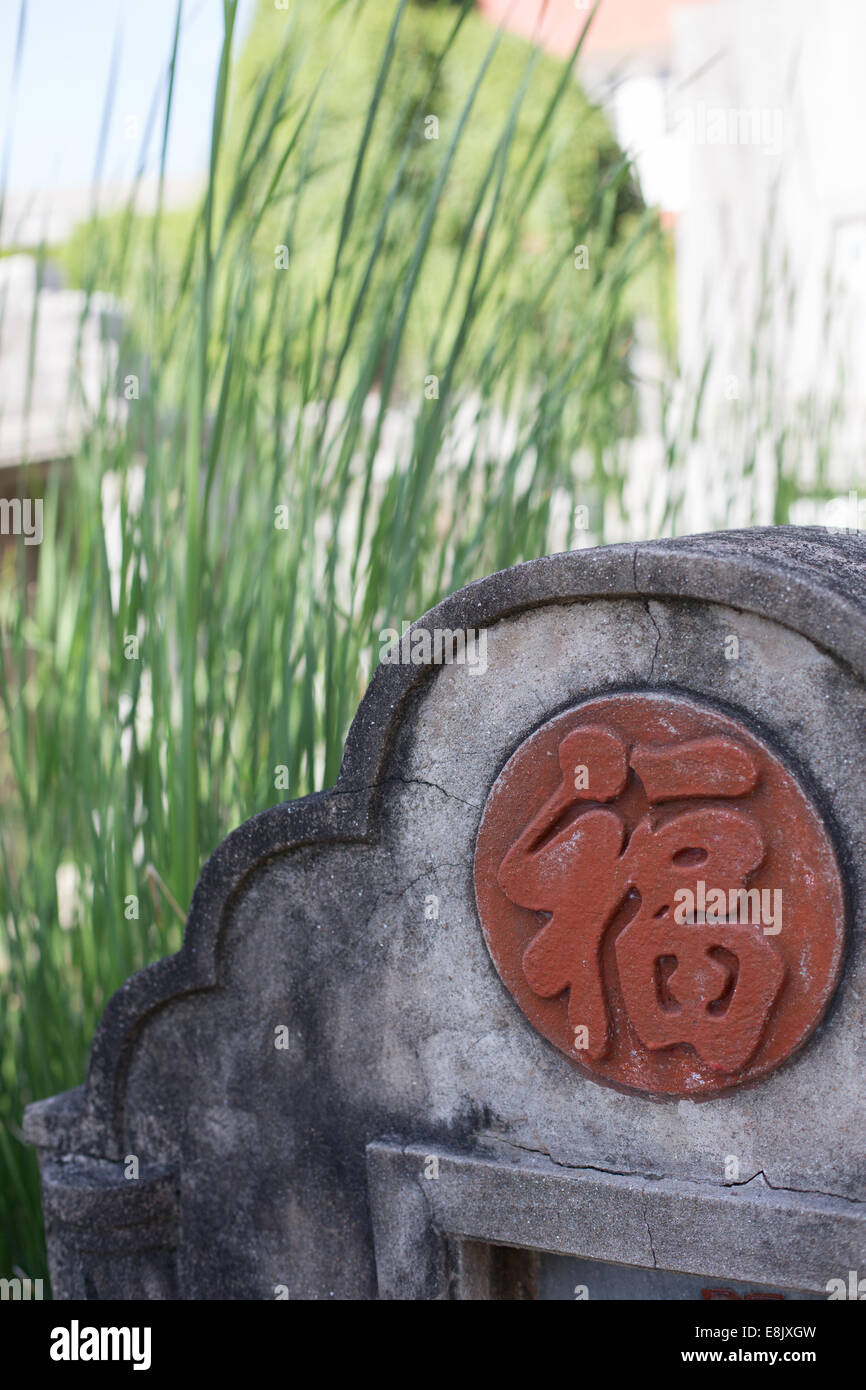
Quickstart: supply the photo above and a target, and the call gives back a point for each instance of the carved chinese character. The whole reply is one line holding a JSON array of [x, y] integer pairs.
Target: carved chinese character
[[600, 831]]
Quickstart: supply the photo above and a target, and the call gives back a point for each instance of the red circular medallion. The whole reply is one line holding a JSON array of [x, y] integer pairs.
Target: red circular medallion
[[660, 895]]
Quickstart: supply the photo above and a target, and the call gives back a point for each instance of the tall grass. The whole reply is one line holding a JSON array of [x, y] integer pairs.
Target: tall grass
[[286, 480]]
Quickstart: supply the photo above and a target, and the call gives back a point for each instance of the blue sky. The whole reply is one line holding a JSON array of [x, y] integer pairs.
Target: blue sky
[[64, 77]]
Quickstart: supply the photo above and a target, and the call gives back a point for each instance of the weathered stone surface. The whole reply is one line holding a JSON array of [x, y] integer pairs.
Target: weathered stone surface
[[349, 921]]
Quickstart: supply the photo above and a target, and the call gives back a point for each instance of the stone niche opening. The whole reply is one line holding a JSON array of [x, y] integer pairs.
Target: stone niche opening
[[506, 1273]]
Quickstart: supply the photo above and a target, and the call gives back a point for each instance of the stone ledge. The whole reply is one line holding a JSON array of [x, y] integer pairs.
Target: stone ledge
[[789, 1239]]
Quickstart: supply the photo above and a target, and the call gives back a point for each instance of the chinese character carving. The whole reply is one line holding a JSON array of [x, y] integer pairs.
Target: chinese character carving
[[660, 895]]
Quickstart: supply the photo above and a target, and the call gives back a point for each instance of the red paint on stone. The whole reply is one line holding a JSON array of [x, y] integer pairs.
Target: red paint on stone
[[593, 831]]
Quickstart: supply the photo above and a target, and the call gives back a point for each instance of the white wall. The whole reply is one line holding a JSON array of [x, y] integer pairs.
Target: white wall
[[772, 93]]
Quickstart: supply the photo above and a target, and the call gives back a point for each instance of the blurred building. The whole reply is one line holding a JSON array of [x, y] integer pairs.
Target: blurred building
[[745, 121], [772, 114], [59, 348], [58, 359], [627, 64]]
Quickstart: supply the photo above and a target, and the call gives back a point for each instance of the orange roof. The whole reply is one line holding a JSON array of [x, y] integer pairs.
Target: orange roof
[[620, 26]]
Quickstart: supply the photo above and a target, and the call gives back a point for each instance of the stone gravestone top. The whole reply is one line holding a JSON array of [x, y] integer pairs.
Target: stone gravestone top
[[567, 966]]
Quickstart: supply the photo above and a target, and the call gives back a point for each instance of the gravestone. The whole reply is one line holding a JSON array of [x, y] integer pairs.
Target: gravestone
[[559, 991]]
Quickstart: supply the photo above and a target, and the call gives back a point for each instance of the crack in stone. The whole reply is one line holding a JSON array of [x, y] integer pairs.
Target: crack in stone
[[648, 1231], [646, 604], [744, 1182], [422, 782], [797, 1191], [431, 871], [399, 893], [661, 1177], [574, 1167], [382, 785], [658, 639]]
